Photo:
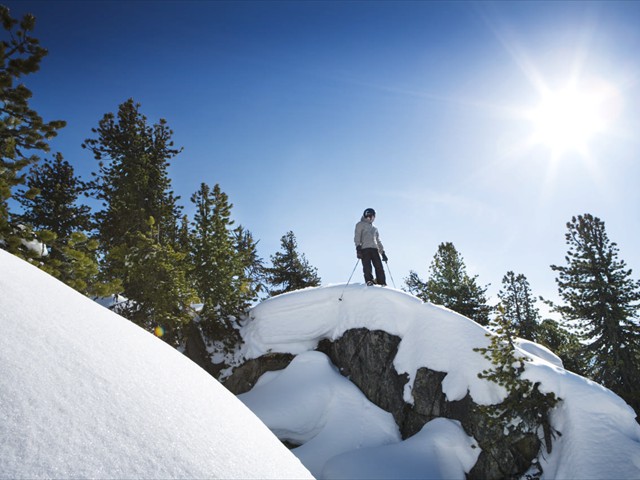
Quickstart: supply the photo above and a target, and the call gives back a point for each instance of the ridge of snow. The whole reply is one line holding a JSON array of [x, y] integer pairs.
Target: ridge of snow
[[85, 393], [599, 435], [295, 322]]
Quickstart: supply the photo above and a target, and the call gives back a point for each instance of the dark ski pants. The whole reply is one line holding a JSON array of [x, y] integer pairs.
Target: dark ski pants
[[371, 257]]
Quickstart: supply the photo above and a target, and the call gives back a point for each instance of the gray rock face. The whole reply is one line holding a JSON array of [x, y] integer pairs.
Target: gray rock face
[[366, 358], [196, 350], [246, 375]]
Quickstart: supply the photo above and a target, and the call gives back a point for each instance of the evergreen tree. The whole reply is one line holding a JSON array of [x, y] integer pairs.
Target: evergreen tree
[[519, 306], [219, 266], [602, 300], [22, 130], [525, 410], [51, 199], [52, 212], [290, 270], [450, 285], [138, 227], [565, 344], [132, 180], [247, 249], [160, 294]]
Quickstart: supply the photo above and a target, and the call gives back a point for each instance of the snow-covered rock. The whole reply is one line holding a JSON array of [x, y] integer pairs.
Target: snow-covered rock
[[600, 437]]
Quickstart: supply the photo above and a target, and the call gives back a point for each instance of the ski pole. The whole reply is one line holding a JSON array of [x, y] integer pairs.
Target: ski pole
[[390, 276], [349, 281]]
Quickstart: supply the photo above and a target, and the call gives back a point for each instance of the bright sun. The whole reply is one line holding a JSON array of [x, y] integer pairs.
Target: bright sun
[[566, 120]]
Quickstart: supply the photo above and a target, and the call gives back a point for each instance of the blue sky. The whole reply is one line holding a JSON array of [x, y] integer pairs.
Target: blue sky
[[306, 113]]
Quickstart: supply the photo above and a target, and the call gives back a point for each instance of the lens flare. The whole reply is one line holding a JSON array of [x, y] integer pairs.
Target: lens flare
[[568, 119]]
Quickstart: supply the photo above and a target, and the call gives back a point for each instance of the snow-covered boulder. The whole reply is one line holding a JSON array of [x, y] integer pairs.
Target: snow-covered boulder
[[381, 338]]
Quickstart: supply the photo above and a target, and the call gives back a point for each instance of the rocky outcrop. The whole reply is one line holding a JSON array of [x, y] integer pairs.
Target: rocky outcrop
[[362, 356], [246, 375], [196, 350], [366, 358]]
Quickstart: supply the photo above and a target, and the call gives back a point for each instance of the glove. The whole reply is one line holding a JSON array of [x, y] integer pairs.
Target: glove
[[384, 257], [359, 251]]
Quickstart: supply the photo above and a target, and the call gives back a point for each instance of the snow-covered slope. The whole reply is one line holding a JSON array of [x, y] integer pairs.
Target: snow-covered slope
[[600, 437], [85, 393]]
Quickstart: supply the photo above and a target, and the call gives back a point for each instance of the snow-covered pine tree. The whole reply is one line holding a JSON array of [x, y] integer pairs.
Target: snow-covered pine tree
[[22, 131], [451, 286], [519, 305], [290, 269], [602, 301]]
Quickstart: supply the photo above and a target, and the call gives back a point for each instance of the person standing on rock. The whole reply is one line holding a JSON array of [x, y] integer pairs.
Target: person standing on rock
[[369, 249]]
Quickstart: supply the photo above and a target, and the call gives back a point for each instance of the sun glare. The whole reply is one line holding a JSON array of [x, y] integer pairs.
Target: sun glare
[[567, 120]]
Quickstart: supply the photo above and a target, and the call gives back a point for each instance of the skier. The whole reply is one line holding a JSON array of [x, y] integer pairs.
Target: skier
[[369, 249]]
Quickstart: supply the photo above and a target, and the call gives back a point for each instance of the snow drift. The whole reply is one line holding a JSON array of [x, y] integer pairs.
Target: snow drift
[[343, 435], [85, 393]]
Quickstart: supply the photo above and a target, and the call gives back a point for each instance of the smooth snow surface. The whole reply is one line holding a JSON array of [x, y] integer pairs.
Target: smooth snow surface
[[343, 435], [85, 393]]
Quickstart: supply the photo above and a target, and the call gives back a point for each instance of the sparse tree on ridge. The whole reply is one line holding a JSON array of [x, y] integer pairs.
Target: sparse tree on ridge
[[22, 131], [525, 412], [290, 270], [450, 285], [519, 306], [519, 310], [602, 300]]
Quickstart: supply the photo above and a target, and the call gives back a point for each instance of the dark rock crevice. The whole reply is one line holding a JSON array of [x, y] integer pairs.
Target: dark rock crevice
[[246, 375]]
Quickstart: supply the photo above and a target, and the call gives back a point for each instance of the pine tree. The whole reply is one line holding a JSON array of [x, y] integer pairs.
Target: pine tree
[[219, 267], [290, 270], [519, 305], [247, 249], [22, 131], [565, 344], [52, 212], [50, 201], [159, 292], [602, 300], [525, 410], [132, 180], [138, 227], [450, 285]]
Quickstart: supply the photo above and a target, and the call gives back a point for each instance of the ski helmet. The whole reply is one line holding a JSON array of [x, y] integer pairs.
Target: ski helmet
[[369, 212]]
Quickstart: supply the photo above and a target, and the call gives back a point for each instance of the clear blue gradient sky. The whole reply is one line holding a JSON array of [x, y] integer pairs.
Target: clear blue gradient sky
[[308, 112]]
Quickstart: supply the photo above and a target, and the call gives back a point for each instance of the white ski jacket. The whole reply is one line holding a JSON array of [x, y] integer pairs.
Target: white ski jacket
[[366, 236]]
